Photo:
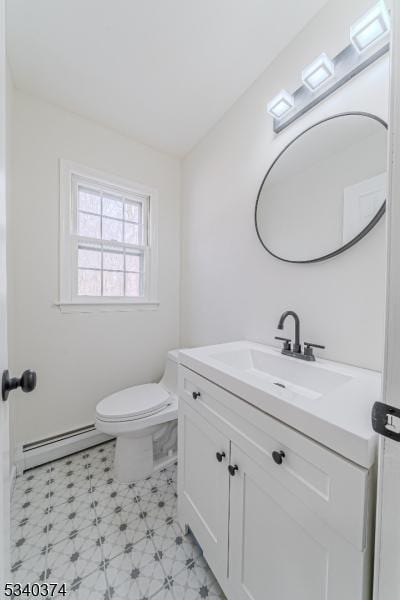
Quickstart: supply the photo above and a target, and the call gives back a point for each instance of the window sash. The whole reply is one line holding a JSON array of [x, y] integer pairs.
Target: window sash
[[103, 245], [124, 195], [102, 248]]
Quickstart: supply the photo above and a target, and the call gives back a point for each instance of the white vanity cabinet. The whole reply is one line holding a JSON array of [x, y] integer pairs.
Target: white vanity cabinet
[[298, 530], [205, 484]]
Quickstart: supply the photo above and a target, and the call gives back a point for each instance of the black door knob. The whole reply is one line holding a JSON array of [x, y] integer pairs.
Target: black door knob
[[232, 469], [278, 456], [27, 383], [220, 456], [195, 395]]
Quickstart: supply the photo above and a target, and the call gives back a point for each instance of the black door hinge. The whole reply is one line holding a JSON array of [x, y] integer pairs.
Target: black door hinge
[[386, 420]]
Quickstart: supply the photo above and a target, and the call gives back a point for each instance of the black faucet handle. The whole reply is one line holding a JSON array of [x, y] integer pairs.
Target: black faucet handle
[[311, 345], [287, 342], [308, 350]]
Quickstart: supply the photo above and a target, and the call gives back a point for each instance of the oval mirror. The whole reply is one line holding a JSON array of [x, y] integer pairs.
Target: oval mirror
[[325, 190]]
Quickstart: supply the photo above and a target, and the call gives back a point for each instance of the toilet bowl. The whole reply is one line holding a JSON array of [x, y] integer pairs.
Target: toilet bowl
[[143, 418]]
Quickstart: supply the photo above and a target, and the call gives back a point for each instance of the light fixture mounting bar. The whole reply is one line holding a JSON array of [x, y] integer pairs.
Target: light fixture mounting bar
[[348, 63]]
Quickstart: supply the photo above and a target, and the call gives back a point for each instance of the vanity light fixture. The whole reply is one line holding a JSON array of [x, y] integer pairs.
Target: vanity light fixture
[[280, 104], [374, 25], [318, 72], [369, 41]]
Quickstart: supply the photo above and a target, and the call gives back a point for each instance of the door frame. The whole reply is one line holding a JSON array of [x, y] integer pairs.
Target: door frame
[[4, 408], [387, 543]]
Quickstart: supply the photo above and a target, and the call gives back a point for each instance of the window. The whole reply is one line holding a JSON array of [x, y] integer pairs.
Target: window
[[107, 240], [110, 240]]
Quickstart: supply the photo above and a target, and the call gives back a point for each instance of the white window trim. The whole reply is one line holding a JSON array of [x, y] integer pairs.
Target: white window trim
[[67, 301]]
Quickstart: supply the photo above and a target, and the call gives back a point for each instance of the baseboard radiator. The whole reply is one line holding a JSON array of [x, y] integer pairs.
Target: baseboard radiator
[[43, 451]]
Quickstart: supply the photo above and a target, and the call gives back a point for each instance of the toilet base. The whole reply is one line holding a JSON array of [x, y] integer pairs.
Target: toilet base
[[142, 444], [134, 456], [139, 453]]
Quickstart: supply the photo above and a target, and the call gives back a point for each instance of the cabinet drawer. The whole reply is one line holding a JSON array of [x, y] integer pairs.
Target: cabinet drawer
[[334, 488]]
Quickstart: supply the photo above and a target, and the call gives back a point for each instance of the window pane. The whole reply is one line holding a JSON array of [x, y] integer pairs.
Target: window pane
[[111, 235], [132, 284], [89, 200], [132, 233], [113, 261], [132, 262], [91, 259], [112, 230], [89, 225], [112, 206], [89, 283], [132, 212], [113, 283]]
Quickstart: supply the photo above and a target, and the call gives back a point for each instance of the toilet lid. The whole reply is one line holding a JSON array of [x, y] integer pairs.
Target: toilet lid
[[133, 403]]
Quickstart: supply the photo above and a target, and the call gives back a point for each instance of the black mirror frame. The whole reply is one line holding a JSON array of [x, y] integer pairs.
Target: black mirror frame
[[362, 233]]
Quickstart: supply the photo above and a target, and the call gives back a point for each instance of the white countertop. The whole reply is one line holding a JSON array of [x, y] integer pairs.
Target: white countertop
[[339, 418]]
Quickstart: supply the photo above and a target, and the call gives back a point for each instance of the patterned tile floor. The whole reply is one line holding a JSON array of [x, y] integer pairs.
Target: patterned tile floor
[[72, 523]]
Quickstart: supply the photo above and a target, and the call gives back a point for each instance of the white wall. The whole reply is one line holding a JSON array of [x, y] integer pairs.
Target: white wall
[[79, 358], [233, 289]]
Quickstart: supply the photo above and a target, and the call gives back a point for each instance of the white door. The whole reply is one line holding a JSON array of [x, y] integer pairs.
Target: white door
[[387, 550], [203, 485], [361, 202], [4, 426], [279, 549]]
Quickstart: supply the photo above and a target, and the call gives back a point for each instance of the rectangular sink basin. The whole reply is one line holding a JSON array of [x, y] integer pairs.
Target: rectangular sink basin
[[328, 401], [301, 377]]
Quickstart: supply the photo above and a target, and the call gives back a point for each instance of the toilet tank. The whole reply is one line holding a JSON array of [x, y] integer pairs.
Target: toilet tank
[[169, 380]]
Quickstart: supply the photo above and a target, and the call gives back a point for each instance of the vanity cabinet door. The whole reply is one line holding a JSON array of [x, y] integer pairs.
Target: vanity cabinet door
[[279, 549], [203, 485]]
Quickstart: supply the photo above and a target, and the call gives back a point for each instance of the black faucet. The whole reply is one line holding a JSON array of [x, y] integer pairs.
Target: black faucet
[[291, 313], [296, 350]]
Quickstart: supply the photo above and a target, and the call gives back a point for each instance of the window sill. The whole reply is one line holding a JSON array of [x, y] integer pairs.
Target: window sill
[[112, 306]]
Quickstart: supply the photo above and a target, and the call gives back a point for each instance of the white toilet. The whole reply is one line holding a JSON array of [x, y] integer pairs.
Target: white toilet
[[143, 418]]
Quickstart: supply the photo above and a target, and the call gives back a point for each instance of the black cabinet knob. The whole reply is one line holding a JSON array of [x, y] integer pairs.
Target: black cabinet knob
[[278, 456], [220, 456], [196, 395], [232, 469], [27, 383]]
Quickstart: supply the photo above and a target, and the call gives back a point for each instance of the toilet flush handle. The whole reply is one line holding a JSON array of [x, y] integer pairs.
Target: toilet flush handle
[[196, 395]]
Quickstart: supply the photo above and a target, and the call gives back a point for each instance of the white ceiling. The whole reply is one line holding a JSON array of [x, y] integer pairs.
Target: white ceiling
[[160, 71]]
